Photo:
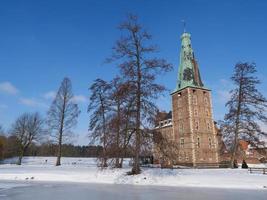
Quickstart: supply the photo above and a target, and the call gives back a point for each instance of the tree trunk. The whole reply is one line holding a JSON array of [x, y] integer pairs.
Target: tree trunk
[[58, 163], [136, 167], [237, 123], [117, 162], [22, 151]]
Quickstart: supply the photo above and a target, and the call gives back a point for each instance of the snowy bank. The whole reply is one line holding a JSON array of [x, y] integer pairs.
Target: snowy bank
[[84, 170]]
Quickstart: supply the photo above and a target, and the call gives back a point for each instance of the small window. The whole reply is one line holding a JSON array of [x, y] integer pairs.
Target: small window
[[195, 112], [182, 142], [208, 125], [210, 143], [197, 126], [198, 142]]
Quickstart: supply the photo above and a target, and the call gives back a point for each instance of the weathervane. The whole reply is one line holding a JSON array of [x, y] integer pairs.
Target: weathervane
[[184, 24]]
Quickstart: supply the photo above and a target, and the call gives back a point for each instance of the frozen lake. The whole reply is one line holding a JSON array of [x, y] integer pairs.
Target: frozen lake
[[74, 191]]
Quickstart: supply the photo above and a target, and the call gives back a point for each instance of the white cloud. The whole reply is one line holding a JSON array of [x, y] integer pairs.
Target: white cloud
[[50, 95], [223, 95], [32, 102], [79, 99], [8, 88]]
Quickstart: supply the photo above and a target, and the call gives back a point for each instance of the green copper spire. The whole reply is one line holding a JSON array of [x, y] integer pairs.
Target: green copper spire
[[189, 75]]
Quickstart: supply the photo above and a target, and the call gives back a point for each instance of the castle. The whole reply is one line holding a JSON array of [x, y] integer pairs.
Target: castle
[[190, 125]]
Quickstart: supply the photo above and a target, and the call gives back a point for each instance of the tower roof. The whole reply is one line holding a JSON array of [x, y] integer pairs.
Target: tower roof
[[188, 75]]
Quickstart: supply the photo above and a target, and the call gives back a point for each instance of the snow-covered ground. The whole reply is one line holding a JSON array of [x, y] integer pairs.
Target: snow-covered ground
[[84, 170]]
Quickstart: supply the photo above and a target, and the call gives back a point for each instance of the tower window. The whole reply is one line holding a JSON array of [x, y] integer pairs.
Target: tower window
[[182, 142], [210, 144], [208, 125], [195, 112], [196, 125], [198, 142]]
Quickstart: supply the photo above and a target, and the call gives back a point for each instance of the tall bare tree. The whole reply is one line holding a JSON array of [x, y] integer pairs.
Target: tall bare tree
[[120, 118], [138, 66], [247, 106], [99, 108], [63, 115], [28, 128]]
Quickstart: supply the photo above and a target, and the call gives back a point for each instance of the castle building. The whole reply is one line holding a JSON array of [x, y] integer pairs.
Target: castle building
[[190, 125]]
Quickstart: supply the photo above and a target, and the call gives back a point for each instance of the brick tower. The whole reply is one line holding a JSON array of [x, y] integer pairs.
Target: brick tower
[[191, 126], [192, 121]]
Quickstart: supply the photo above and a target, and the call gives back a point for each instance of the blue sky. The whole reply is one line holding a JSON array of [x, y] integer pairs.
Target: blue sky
[[41, 42]]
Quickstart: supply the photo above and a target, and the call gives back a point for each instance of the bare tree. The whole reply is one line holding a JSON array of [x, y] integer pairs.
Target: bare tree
[[28, 128], [120, 119], [166, 149], [99, 108], [140, 69], [247, 106], [63, 115]]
